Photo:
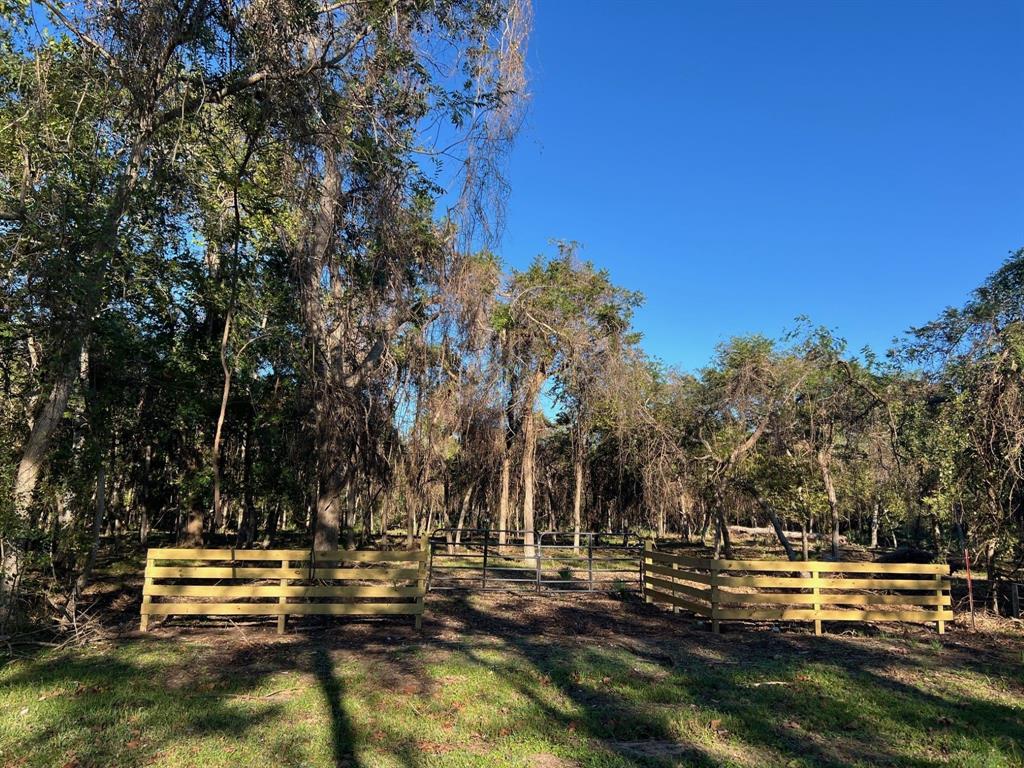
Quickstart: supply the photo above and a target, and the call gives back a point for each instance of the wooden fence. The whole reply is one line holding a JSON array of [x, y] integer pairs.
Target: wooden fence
[[284, 582], [814, 590]]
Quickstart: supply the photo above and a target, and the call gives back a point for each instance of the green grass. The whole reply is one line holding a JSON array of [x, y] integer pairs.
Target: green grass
[[483, 686]]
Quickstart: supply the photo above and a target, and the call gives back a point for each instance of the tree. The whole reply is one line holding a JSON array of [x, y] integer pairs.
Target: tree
[[552, 311], [975, 356]]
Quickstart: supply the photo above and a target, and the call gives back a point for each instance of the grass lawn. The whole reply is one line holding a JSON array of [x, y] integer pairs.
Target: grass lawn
[[519, 681]]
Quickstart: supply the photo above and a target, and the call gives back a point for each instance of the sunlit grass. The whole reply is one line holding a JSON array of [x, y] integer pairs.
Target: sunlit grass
[[502, 701]]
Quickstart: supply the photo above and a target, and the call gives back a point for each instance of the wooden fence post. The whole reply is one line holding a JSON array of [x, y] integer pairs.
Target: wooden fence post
[[487, 536], [282, 619], [714, 596], [815, 574], [675, 567], [146, 599], [648, 547], [940, 624], [421, 582]]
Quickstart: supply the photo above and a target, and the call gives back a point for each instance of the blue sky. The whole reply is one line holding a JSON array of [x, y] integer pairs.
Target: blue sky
[[745, 163]]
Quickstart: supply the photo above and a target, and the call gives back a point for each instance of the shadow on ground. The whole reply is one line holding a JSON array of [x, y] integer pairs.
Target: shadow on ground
[[546, 682]]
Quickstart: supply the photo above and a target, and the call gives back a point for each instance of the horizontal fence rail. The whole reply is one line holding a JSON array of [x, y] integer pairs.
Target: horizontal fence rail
[[492, 560], [284, 582], [809, 590]]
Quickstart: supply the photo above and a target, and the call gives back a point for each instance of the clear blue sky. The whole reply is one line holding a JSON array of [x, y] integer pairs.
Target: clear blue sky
[[745, 163]]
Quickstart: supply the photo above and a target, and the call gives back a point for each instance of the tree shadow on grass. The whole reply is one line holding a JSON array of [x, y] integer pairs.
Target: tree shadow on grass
[[90, 711], [342, 734], [153, 697], [852, 708], [614, 683]]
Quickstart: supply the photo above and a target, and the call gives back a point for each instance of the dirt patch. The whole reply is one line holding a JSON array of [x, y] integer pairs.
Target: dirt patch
[[455, 621], [547, 760], [653, 749]]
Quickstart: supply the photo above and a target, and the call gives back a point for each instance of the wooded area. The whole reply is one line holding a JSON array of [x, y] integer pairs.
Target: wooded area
[[251, 295]]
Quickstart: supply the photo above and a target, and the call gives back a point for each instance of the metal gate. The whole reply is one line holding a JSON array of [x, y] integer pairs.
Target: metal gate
[[482, 559]]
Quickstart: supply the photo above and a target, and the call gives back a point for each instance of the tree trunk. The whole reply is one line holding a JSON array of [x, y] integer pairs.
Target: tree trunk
[[529, 457], [552, 498], [194, 531], [47, 420], [385, 521], [145, 500], [874, 526], [463, 509], [705, 522], [726, 538], [311, 251], [368, 505], [937, 536], [273, 521], [225, 393], [330, 502], [824, 460], [410, 523], [97, 526], [780, 532], [577, 501], [247, 527], [43, 427], [529, 462], [723, 542], [503, 501], [991, 572], [30, 465]]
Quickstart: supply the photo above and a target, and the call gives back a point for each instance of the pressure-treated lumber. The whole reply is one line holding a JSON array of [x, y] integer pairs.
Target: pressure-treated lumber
[[146, 599], [276, 609], [278, 590], [283, 582], [815, 590], [351, 574], [803, 598], [824, 566], [683, 589], [794, 582], [670, 559], [661, 570], [661, 597], [295, 555], [282, 620]]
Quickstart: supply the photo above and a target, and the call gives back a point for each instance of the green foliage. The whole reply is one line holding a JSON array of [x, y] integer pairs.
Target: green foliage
[[220, 223]]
